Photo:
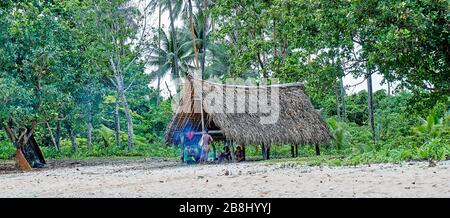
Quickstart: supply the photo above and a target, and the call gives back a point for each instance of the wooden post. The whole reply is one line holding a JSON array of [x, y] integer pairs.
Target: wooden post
[[292, 151], [182, 142], [296, 150], [263, 151], [243, 150], [231, 145], [317, 150]]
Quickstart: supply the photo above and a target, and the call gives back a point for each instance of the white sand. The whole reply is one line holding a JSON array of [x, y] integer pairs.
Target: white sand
[[150, 178]]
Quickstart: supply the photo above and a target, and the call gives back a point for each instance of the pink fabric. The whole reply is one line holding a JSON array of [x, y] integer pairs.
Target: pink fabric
[[190, 135]]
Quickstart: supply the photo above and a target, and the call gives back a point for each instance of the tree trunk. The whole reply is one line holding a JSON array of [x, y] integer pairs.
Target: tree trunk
[[344, 107], [117, 122], [389, 88], [338, 111], [174, 38], [370, 103], [52, 136], [158, 87], [317, 150], [129, 119], [58, 133], [283, 53], [235, 31], [89, 126], [158, 91], [205, 29], [168, 89], [274, 39], [191, 24], [72, 136]]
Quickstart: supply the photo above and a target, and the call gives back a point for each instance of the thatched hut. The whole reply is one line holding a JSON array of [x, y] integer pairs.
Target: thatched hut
[[297, 122]]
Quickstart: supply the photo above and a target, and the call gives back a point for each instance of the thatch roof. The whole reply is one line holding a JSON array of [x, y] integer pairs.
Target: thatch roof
[[298, 122]]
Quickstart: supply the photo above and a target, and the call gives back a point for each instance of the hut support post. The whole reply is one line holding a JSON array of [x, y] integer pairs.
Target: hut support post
[[265, 151], [296, 150], [317, 150], [292, 151], [230, 144], [243, 150], [182, 153]]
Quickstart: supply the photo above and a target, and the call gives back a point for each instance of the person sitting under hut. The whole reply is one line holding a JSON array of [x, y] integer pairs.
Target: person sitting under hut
[[239, 154], [190, 155], [226, 154]]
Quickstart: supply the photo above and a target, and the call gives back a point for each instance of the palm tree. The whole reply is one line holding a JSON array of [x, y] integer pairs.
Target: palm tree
[[191, 25], [219, 61], [216, 55], [205, 32], [174, 12], [170, 58], [197, 26]]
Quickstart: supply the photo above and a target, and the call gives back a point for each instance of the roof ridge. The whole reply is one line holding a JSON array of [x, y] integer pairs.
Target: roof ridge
[[296, 84]]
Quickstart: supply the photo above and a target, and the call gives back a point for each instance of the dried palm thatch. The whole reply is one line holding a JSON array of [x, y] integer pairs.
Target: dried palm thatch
[[298, 123]]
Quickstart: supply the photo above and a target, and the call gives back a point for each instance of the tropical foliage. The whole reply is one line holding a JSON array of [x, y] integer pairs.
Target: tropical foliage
[[75, 74]]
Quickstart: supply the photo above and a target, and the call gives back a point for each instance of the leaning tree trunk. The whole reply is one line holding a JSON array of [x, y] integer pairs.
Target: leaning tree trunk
[[52, 136], [72, 136]]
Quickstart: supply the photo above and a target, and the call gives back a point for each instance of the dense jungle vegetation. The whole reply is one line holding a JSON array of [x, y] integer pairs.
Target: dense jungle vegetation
[[73, 72]]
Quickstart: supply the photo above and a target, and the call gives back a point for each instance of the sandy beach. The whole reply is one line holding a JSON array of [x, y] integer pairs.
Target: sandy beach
[[162, 178]]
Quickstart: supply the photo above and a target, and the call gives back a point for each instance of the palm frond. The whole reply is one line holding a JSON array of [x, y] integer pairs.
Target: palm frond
[[160, 72]]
